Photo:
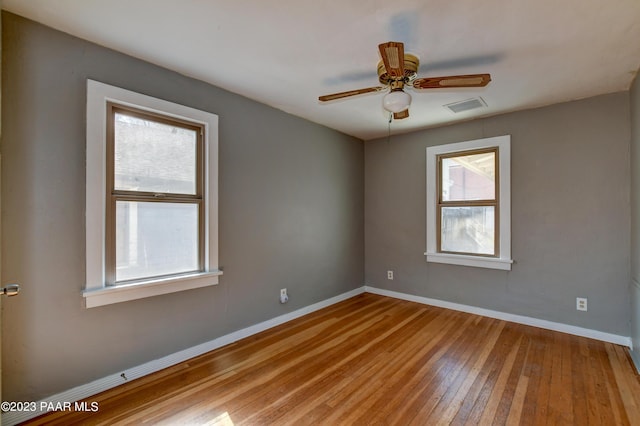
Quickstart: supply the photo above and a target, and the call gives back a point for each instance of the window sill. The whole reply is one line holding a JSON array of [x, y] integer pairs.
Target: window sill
[[122, 293], [479, 262]]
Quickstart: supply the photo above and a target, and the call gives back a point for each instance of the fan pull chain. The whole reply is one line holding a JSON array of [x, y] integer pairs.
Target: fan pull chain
[[389, 128]]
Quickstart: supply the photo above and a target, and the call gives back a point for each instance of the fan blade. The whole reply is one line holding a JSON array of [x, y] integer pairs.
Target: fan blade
[[393, 57], [341, 95], [400, 115], [471, 80]]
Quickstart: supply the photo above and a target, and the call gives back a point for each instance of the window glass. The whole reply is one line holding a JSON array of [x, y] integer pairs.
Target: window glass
[[469, 177], [155, 239], [468, 230], [153, 157]]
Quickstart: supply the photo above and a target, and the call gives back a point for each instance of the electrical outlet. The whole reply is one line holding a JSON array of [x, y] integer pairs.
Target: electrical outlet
[[284, 298], [581, 303], [389, 275]]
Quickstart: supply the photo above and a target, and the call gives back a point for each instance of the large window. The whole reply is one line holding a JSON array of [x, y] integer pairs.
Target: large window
[[151, 196], [468, 203], [154, 196]]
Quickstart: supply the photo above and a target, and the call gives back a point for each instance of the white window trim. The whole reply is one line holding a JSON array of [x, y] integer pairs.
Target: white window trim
[[96, 293], [503, 143]]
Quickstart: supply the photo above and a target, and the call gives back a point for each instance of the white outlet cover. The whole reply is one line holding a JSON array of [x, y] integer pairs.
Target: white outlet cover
[[581, 303]]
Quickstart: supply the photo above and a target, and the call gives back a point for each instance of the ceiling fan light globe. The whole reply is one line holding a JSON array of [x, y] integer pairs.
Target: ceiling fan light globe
[[396, 101]]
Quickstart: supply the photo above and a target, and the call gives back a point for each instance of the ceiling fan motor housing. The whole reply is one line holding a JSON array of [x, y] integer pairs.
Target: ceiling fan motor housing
[[411, 63]]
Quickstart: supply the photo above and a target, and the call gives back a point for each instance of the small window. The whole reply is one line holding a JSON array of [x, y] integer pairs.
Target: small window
[[152, 204], [468, 215], [468, 212]]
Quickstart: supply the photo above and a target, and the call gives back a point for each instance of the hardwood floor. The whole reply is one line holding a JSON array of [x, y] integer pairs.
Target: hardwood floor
[[378, 360]]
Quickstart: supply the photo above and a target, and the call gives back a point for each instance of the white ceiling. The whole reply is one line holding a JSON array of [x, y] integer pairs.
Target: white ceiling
[[285, 53]]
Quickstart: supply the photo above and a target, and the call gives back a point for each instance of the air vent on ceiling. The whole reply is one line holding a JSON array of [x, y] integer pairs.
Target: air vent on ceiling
[[467, 105]]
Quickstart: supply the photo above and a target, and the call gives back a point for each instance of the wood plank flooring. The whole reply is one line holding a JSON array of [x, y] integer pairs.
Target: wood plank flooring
[[378, 360]]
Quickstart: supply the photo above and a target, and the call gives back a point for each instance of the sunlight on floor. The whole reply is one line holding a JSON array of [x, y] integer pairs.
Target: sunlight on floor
[[222, 420]]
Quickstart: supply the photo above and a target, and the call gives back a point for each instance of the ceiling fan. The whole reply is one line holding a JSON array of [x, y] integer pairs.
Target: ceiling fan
[[398, 69]]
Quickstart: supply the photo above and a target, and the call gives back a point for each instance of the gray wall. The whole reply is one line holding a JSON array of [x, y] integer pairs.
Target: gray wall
[[570, 215], [291, 215], [635, 221]]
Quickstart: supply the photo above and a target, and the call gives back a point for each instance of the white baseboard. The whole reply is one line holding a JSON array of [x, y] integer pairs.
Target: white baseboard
[[520, 319], [105, 383]]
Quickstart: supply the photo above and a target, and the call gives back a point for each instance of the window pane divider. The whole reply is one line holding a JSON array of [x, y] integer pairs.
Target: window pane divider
[[153, 199], [153, 194], [468, 203]]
